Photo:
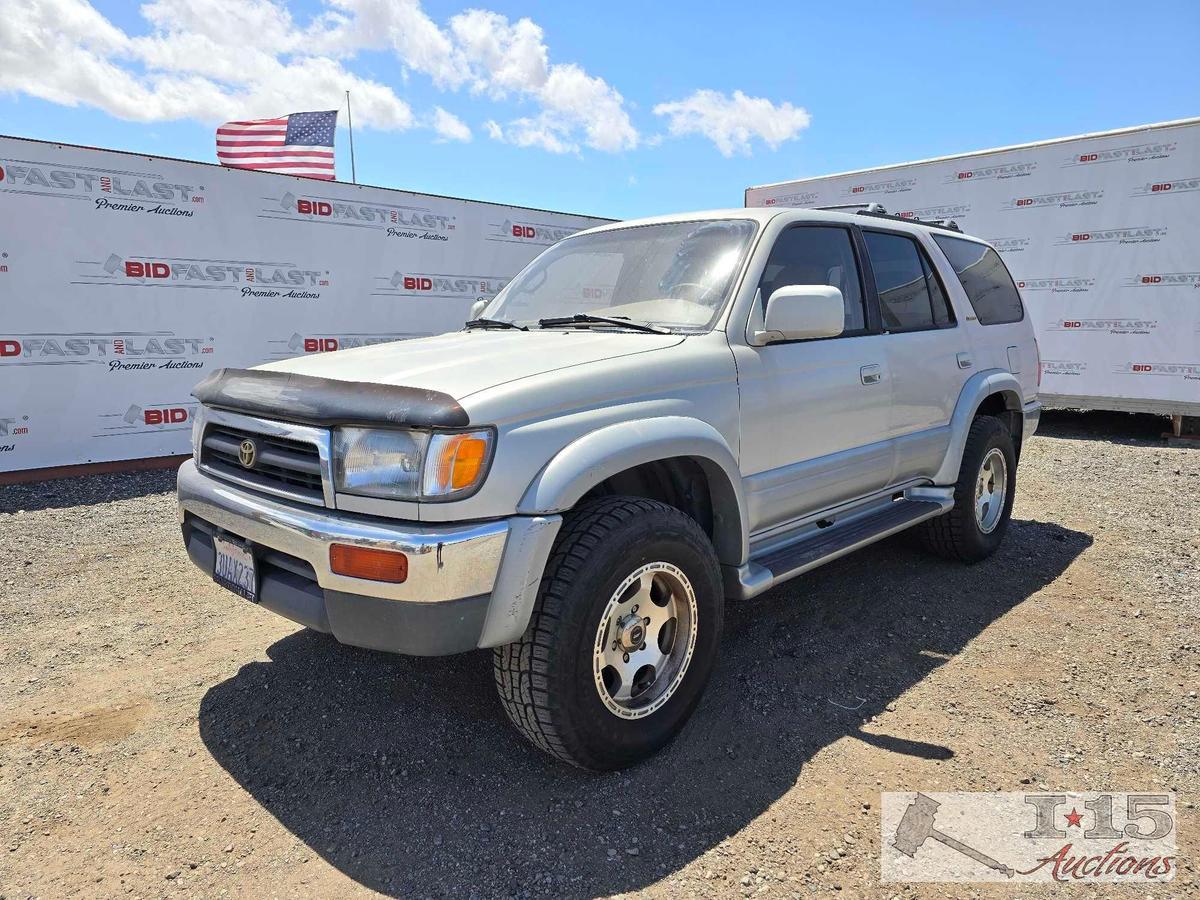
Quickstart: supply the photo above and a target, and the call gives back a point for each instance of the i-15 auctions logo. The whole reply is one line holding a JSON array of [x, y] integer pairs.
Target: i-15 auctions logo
[[416, 222], [109, 190], [253, 278], [121, 351]]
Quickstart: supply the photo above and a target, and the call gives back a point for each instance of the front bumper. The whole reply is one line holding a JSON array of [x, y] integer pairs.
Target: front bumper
[[468, 586]]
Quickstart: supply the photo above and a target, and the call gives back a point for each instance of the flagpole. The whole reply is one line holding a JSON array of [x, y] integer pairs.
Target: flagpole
[[350, 122]]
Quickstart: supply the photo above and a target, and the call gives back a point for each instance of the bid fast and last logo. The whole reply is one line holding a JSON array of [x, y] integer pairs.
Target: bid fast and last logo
[[12, 429], [253, 279], [107, 189], [395, 221], [126, 351]]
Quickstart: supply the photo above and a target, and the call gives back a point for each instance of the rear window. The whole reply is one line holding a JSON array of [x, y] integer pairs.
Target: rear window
[[986, 280]]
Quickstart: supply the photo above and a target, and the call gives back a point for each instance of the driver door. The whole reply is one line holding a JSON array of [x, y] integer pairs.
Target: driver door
[[815, 412]]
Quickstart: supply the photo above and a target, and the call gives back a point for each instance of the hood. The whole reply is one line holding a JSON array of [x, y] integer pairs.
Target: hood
[[462, 363]]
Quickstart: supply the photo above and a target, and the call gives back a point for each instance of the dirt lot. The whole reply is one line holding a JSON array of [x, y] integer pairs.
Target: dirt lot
[[160, 736]]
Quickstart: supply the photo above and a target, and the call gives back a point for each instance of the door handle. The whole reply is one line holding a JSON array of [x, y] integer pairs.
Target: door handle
[[870, 374]]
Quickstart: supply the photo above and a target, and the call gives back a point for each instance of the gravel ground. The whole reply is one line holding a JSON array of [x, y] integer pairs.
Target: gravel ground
[[160, 736]]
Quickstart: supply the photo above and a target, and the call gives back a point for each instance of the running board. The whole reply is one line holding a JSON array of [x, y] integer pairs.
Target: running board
[[826, 544]]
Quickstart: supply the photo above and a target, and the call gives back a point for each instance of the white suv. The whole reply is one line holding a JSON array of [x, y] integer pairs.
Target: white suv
[[652, 417]]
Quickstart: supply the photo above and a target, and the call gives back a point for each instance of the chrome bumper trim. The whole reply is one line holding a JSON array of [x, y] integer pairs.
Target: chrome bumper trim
[[445, 562]]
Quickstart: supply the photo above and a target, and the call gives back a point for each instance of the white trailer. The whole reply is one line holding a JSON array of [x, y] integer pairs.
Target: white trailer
[[125, 279], [1102, 233]]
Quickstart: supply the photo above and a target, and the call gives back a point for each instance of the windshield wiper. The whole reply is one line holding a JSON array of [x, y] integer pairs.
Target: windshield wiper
[[585, 319], [495, 323]]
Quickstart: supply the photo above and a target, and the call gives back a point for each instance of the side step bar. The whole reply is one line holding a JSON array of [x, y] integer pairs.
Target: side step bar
[[826, 544]]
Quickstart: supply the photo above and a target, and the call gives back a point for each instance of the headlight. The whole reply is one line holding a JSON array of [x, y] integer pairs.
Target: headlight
[[410, 465]]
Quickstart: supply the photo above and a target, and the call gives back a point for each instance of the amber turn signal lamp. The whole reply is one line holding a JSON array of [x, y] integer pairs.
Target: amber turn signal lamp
[[460, 462], [369, 563]]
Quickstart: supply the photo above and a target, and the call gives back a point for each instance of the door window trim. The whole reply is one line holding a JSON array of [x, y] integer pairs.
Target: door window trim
[[922, 254], [871, 314]]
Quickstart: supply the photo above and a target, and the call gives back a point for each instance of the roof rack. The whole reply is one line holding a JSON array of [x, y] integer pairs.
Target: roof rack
[[877, 211]]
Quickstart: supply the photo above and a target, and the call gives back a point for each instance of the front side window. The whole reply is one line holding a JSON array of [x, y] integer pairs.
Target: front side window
[[910, 297], [986, 280], [817, 255], [677, 275]]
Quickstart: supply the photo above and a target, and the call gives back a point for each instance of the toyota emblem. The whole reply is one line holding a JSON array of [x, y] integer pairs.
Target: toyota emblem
[[247, 453]]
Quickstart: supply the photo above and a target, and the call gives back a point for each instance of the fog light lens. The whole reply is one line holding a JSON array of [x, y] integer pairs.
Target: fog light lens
[[369, 563]]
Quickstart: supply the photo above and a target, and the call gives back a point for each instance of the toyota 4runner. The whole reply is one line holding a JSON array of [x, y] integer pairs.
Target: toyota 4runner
[[652, 417]]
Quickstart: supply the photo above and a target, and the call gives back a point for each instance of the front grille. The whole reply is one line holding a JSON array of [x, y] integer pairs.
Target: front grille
[[281, 465]]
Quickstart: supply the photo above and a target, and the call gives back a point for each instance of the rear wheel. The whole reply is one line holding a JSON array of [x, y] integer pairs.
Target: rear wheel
[[983, 496], [622, 638]]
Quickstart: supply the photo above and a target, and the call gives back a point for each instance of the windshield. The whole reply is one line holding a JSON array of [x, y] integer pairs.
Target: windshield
[[677, 276]]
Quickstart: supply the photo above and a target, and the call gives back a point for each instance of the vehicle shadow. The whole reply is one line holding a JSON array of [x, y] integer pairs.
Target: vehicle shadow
[[1101, 425], [405, 775], [85, 490]]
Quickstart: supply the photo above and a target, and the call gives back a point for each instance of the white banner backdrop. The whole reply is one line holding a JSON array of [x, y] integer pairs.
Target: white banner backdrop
[[126, 279], [1102, 234]]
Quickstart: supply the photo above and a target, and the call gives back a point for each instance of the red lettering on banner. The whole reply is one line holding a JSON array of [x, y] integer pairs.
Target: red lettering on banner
[[314, 207], [320, 345], [1025, 202], [1072, 324], [1141, 368], [524, 231], [147, 269], [10, 348], [1165, 186], [412, 283], [857, 190], [1151, 279], [172, 416], [1081, 237], [1089, 157], [962, 175]]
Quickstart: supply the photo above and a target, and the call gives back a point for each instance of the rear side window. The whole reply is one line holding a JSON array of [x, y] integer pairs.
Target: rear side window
[[815, 254], [986, 280], [910, 296]]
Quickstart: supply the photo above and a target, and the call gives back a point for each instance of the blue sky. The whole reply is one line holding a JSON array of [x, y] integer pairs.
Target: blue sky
[[876, 83]]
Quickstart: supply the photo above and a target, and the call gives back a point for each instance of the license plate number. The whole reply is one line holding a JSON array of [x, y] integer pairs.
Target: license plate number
[[234, 568]]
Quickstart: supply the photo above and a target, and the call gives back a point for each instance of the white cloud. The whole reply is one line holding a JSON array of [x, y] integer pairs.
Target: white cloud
[[449, 126], [732, 123]]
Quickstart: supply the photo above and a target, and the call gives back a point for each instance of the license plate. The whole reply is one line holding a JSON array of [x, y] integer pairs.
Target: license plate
[[234, 568]]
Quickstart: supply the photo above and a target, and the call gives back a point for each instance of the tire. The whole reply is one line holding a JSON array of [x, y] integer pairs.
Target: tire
[[553, 682], [962, 533]]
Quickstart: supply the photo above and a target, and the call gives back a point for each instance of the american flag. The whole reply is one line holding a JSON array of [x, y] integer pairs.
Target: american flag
[[299, 144]]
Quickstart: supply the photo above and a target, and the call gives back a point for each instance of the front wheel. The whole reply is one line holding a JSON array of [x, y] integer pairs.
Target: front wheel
[[983, 496], [623, 636]]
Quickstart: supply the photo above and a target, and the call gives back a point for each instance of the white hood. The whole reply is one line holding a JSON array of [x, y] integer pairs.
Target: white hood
[[461, 363]]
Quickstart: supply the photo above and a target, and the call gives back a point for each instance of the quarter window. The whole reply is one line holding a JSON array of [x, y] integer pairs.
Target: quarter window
[[986, 280], [817, 255], [910, 295]]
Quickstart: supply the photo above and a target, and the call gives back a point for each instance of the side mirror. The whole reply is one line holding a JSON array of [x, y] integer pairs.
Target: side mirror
[[797, 312], [478, 307]]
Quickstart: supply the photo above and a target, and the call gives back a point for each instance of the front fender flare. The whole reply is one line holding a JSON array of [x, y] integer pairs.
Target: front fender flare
[[978, 388], [602, 453]]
